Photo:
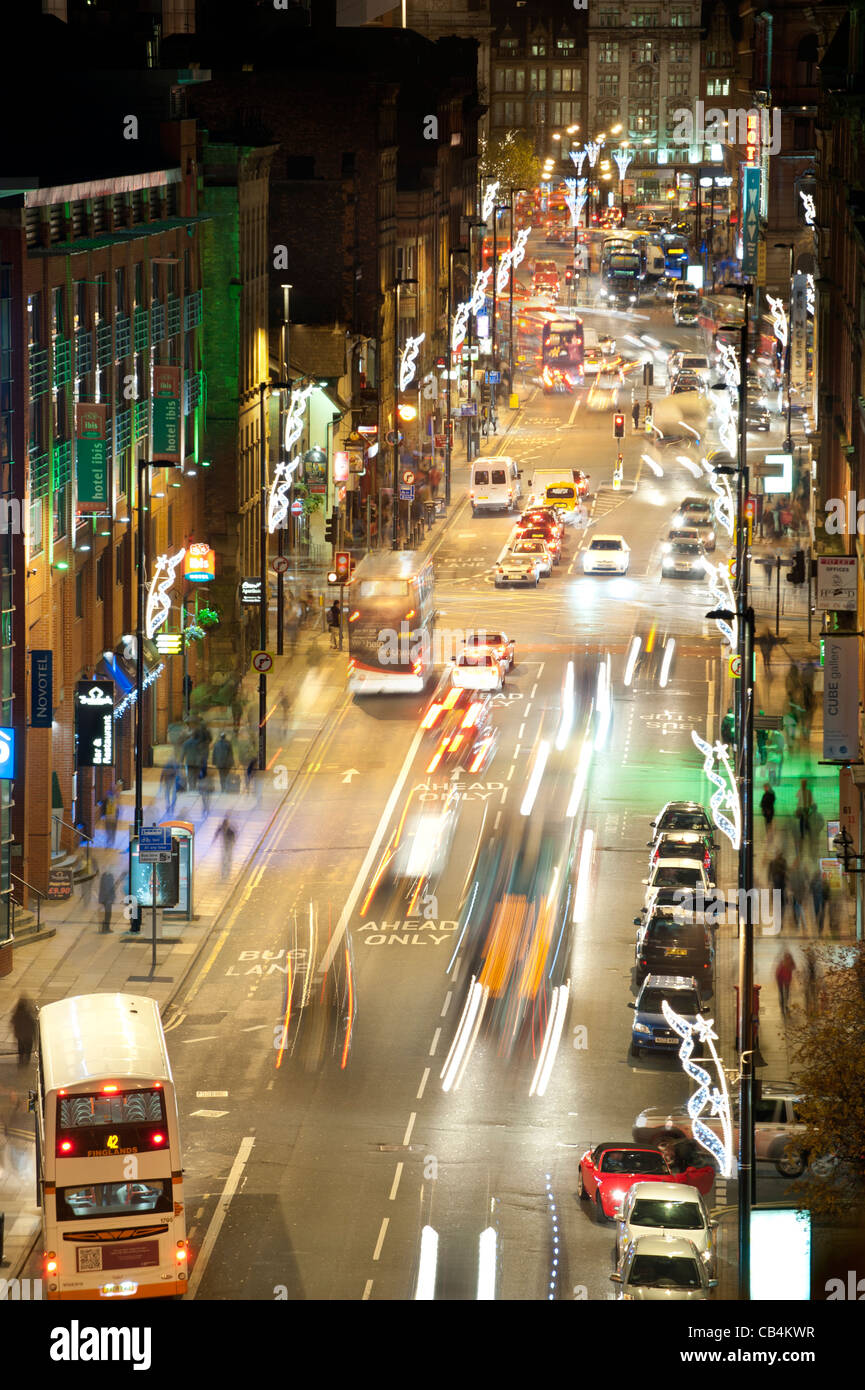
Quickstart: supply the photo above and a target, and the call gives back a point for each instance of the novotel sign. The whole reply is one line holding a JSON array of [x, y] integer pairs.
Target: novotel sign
[[94, 723]]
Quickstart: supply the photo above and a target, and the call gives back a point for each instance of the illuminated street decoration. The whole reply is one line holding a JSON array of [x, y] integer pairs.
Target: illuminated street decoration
[[279, 499], [294, 415], [623, 158], [511, 259], [408, 359], [468, 307], [730, 364], [593, 149], [149, 677], [726, 796], [716, 1097], [779, 318], [579, 158], [725, 507], [809, 207], [718, 580], [489, 201], [158, 599], [809, 282]]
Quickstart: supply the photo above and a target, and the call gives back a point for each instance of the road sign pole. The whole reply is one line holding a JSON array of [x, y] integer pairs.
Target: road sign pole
[[153, 919], [341, 600]]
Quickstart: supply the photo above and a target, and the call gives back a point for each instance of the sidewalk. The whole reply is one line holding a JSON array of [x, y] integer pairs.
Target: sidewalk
[[308, 684]]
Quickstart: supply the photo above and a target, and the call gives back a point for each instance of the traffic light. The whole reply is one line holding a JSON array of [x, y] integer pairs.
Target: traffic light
[[342, 566], [619, 426], [569, 275], [330, 528], [796, 575]]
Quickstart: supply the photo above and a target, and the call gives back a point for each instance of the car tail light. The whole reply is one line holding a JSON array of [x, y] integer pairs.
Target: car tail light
[[432, 715]]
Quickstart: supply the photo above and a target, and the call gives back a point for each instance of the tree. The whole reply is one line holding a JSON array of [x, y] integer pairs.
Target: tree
[[510, 159], [828, 1050]]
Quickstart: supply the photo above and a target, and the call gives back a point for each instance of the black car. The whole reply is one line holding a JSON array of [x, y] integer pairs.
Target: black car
[[667, 944]]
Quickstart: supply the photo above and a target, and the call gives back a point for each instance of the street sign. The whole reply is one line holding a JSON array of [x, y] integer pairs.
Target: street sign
[[735, 664], [60, 883], [154, 846], [262, 662], [492, 378], [408, 477], [296, 507], [750, 219], [250, 590], [393, 438], [280, 563], [439, 441], [406, 494]]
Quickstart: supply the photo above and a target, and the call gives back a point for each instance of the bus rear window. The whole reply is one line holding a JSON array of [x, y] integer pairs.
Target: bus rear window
[[100, 1199], [101, 1125], [384, 588]]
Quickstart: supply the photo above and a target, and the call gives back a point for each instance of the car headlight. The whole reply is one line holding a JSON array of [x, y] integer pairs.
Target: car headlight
[[706, 1256], [642, 1028], [667, 547]]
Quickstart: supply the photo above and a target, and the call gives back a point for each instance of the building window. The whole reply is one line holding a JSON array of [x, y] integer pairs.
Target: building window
[[608, 84], [537, 79], [608, 19], [718, 87], [510, 80], [679, 52], [643, 120], [512, 113], [80, 305], [608, 51], [35, 525], [565, 45], [101, 298], [538, 48], [564, 112], [120, 290], [678, 84], [100, 579], [61, 510], [79, 594], [507, 45], [803, 138], [540, 113], [57, 311], [34, 316], [680, 19], [645, 52], [567, 79], [138, 284], [645, 19]]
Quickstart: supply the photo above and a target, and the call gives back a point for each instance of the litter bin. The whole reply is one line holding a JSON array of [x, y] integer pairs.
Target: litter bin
[[514, 401]]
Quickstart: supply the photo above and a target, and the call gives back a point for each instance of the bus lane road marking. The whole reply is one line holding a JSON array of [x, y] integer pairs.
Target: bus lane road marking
[[218, 1218]]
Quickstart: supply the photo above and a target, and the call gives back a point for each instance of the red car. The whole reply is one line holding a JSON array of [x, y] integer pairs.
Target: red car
[[538, 531], [608, 1171]]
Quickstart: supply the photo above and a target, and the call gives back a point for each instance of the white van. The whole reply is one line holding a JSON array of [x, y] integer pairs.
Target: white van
[[495, 485]]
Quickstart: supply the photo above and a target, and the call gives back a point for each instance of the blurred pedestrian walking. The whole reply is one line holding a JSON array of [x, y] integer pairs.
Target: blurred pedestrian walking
[[168, 783], [333, 620], [799, 886], [228, 835], [223, 760], [767, 807], [24, 1027], [778, 879], [205, 786], [107, 894], [109, 813], [804, 808], [775, 749], [784, 972], [818, 898]]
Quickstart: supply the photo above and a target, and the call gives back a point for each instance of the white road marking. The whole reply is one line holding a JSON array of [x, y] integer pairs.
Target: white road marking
[[208, 1114], [532, 694], [218, 1218], [362, 873], [396, 1177], [446, 1004], [385, 1222], [210, 1038], [529, 705], [367, 1290], [511, 771], [517, 749], [437, 1034], [522, 727], [422, 1086], [208, 1095], [408, 1129], [256, 1028]]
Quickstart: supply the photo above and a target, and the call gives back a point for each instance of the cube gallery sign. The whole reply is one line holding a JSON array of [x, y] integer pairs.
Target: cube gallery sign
[[840, 697], [91, 457], [94, 723], [167, 434]]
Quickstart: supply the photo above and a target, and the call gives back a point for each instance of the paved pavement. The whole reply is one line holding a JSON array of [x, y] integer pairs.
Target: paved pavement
[[304, 692]]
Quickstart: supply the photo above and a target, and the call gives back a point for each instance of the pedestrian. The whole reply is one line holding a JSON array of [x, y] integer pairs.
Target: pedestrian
[[24, 1028], [778, 879], [191, 754], [109, 813], [798, 892], [809, 980], [804, 808], [784, 971], [767, 642], [728, 727], [767, 807], [775, 750], [285, 711], [251, 768], [107, 893], [228, 835], [333, 619], [205, 786], [818, 898], [636, 415], [223, 760], [793, 684], [168, 783], [808, 703]]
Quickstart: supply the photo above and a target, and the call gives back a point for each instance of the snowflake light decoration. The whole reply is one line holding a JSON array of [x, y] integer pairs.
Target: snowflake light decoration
[[724, 803], [716, 1097]]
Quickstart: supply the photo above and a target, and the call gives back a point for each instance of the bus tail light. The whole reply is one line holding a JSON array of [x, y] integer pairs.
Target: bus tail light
[[51, 1263], [181, 1253], [65, 1146], [157, 1140]]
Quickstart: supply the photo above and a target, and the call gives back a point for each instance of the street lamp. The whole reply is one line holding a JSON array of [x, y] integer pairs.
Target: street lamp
[[398, 284], [471, 223], [454, 251], [788, 352]]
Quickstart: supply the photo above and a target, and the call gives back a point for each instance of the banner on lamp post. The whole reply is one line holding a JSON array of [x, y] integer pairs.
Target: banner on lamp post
[[167, 417], [840, 697], [798, 329]]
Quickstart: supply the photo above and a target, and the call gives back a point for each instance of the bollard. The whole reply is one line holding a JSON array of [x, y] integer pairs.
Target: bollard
[[514, 401]]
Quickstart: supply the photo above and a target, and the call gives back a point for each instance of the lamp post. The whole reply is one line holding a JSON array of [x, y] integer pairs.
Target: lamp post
[[788, 352], [472, 223], [398, 284], [454, 251], [280, 584], [262, 546]]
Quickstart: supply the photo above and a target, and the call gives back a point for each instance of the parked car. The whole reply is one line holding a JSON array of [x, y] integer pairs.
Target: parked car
[[667, 940], [682, 815], [607, 1172], [677, 879], [650, 1031], [650, 1208], [662, 1269], [683, 844], [777, 1128]]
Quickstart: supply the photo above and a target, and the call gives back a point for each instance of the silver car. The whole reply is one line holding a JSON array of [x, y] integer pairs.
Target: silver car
[[649, 1208], [662, 1269], [777, 1128]]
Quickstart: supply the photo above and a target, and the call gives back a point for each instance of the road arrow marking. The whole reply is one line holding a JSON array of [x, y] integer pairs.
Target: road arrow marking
[[352, 772]]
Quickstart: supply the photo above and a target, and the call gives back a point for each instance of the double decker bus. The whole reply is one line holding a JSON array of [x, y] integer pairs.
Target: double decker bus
[[108, 1151], [390, 623], [562, 346]]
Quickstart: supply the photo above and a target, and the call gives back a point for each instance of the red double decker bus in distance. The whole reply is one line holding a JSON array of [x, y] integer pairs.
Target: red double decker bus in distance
[[562, 347], [503, 243]]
